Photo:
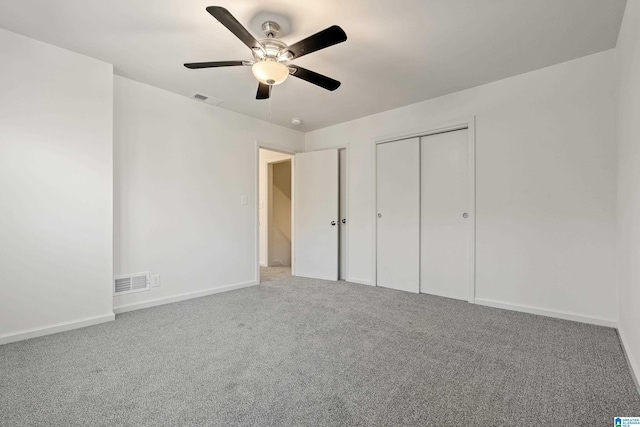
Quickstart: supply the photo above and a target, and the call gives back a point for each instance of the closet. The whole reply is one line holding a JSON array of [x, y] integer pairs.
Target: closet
[[424, 218]]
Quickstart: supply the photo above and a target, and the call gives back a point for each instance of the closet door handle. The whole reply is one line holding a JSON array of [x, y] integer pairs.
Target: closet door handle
[[344, 220], [333, 223]]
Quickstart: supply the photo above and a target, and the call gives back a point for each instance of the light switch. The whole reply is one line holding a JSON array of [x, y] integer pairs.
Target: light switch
[[155, 281], [244, 200]]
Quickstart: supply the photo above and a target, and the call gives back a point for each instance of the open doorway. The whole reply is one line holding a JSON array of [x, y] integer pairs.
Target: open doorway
[[275, 221]]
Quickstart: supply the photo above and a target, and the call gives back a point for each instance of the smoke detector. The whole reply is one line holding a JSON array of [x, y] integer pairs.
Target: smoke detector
[[296, 122]]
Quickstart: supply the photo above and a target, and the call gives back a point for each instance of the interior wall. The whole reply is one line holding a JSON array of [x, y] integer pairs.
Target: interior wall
[[266, 156], [628, 57], [181, 170], [546, 185], [56, 189], [280, 215]]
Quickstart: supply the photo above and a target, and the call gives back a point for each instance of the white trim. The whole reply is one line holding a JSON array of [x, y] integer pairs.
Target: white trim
[[270, 147], [55, 328], [558, 314], [332, 147], [346, 198], [635, 369], [452, 125], [443, 295], [441, 127], [359, 281], [263, 264], [180, 297], [471, 134]]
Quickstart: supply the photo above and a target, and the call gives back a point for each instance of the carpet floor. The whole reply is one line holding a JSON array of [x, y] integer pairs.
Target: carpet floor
[[296, 351]]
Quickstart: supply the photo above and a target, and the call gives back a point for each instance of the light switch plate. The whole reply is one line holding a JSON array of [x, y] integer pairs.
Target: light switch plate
[[155, 281], [243, 200]]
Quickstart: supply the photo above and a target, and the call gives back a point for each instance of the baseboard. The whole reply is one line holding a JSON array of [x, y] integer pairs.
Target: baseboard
[[441, 294], [558, 314], [54, 329], [358, 281], [180, 297], [635, 369], [263, 264]]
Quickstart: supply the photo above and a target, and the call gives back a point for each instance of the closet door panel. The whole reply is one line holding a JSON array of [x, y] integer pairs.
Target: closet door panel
[[445, 239], [398, 215]]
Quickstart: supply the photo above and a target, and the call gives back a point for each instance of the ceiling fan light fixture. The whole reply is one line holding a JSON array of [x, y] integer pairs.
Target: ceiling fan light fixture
[[270, 72]]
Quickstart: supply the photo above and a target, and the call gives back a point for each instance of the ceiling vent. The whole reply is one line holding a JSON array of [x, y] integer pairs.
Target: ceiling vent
[[129, 283], [206, 99]]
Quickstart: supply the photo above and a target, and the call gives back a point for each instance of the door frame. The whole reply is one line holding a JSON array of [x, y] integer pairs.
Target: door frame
[[449, 126], [346, 148], [271, 147]]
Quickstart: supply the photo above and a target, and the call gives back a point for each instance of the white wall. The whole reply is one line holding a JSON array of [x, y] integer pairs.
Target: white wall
[[266, 156], [546, 185], [55, 189], [180, 169], [628, 56]]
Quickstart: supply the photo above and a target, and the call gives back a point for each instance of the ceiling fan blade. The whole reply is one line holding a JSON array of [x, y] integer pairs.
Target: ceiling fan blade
[[194, 65], [232, 24], [325, 38], [264, 91], [315, 78]]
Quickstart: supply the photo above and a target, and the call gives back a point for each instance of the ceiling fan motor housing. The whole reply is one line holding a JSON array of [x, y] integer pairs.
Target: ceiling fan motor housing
[[270, 29]]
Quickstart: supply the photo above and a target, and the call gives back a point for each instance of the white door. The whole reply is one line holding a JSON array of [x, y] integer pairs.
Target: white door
[[316, 214], [343, 214], [398, 215], [445, 221]]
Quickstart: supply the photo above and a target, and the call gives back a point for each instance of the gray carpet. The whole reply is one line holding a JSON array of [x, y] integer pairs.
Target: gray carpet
[[310, 352]]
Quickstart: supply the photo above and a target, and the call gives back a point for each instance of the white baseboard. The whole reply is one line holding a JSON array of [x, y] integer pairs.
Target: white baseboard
[[440, 294], [180, 297], [263, 264], [358, 281], [54, 329], [558, 314], [635, 369]]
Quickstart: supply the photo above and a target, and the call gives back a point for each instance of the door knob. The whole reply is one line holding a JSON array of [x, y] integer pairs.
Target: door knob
[[379, 215], [333, 223], [344, 220], [465, 215]]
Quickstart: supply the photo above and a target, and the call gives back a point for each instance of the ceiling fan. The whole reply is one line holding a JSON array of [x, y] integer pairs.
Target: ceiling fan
[[271, 56]]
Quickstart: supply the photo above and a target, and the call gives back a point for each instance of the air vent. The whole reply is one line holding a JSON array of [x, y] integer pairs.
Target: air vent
[[130, 283], [206, 99]]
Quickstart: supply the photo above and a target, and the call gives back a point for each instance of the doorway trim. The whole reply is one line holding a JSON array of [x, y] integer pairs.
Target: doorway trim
[[449, 126], [271, 147]]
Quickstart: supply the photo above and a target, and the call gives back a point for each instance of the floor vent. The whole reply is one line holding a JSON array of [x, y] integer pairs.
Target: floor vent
[[206, 99], [130, 283]]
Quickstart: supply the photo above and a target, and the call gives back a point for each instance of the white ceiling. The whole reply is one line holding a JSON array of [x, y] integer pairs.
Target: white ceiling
[[397, 52]]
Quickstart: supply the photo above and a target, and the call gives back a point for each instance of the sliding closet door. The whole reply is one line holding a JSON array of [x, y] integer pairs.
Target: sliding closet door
[[316, 214], [398, 215], [445, 222]]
